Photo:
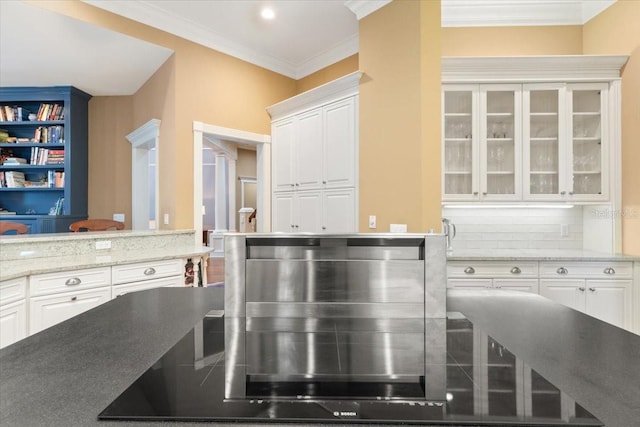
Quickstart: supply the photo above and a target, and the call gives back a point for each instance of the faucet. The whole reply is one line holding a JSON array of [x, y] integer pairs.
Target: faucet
[[449, 230]]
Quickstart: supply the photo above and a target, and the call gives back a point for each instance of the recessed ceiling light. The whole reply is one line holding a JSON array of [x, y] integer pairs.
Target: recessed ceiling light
[[267, 13]]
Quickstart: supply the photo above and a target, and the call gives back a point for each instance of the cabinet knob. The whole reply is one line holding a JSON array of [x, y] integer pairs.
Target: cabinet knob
[[562, 270], [73, 281], [149, 271], [74, 298], [484, 193], [297, 184], [469, 270], [516, 270], [609, 270], [296, 225], [324, 182], [581, 289], [592, 289], [324, 228], [293, 185], [475, 193], [562, 193], [571, 193]]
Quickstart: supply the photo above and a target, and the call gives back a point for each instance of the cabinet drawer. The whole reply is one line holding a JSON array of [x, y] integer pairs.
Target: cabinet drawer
[[49, 310], [65, 281], [598, 270], [489, 269], [147, 270], [13, 290], [119, 290], [470, 283]]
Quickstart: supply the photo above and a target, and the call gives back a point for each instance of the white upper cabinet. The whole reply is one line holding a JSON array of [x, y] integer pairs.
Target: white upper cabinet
[[588, 142], [531, 129], [482, 142]]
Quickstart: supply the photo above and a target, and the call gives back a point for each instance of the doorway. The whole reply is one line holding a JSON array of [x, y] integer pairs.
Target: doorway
[[225, 141]]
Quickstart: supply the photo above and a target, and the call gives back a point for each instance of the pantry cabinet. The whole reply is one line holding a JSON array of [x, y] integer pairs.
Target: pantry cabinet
[[314, 144], [517, 135]]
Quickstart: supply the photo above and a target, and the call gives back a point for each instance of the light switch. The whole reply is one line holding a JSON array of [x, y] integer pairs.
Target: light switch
[[372, 221]]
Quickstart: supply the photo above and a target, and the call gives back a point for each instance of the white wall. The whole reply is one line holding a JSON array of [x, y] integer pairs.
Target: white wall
[[522, 228]]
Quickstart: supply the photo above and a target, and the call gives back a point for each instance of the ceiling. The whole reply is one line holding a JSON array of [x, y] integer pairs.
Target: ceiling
[[305, 36]]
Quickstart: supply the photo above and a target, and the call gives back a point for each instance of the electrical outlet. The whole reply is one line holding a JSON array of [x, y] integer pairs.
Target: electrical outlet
[[103, 244], [564, 230], [372, 221], [118, 217], [166, 219], [398, 228]]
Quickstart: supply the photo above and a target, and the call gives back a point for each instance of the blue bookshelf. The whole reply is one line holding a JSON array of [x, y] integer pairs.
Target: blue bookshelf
[[54, 146]]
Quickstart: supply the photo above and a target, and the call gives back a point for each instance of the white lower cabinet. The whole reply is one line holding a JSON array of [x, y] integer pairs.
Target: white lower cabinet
[[48, 310], [119, 290], [13, 322], [515, 276], [607, 300]]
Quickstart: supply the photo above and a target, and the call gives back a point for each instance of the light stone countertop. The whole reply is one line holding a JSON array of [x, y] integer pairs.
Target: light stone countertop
[[29, 266], [535, 255], [47, 253]]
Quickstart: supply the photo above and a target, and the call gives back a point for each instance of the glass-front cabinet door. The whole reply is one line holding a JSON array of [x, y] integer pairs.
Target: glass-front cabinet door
[[460, 149], [500, 142], [588, 174], [543, 157]]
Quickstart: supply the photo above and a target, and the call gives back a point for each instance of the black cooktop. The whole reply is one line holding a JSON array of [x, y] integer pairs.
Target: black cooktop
[[485, 384]]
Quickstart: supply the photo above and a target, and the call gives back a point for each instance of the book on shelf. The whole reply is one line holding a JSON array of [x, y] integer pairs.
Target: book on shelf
[[14, 179], [49, 135], [50, 112], [14, 161], [4, 135], [4, 211], [13, 113], [55, 179]]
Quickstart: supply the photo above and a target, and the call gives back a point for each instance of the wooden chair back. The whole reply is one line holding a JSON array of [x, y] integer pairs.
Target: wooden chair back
[[96, 225], [18, 227]]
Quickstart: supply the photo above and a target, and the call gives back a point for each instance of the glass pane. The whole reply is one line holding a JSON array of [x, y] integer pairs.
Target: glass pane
[[208, 188], [587, 143], [458, 148], [543, 138], [500, 143]]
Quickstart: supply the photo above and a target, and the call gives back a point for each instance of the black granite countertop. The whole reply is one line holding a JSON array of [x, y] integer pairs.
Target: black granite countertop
[[67, 374]]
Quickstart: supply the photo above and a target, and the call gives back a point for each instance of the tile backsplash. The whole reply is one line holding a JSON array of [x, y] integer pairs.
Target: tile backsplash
[[509, 228]]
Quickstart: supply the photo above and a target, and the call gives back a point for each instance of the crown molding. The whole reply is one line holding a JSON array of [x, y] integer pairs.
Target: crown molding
[[496, 13], [342, 87], [362, 8], [532, 68], [336, 53]]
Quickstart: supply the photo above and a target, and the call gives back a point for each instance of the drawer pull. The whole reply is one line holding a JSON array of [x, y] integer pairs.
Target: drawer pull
[[73, 281], [562, 270], [74, 298], [150, 271], [516, 270], [609, 270], [592, 289], [469, 270], [581, 289]]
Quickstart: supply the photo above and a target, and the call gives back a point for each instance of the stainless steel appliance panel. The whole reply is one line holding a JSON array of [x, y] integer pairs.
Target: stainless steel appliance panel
[[334, 252], [334, 355], [334, 281], [314, 324], [358, 310]]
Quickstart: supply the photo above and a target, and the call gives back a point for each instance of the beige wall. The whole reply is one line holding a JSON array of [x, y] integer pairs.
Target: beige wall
[[617, 31], [512, 41], [327, 74], [202, 85], [400, 116]]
